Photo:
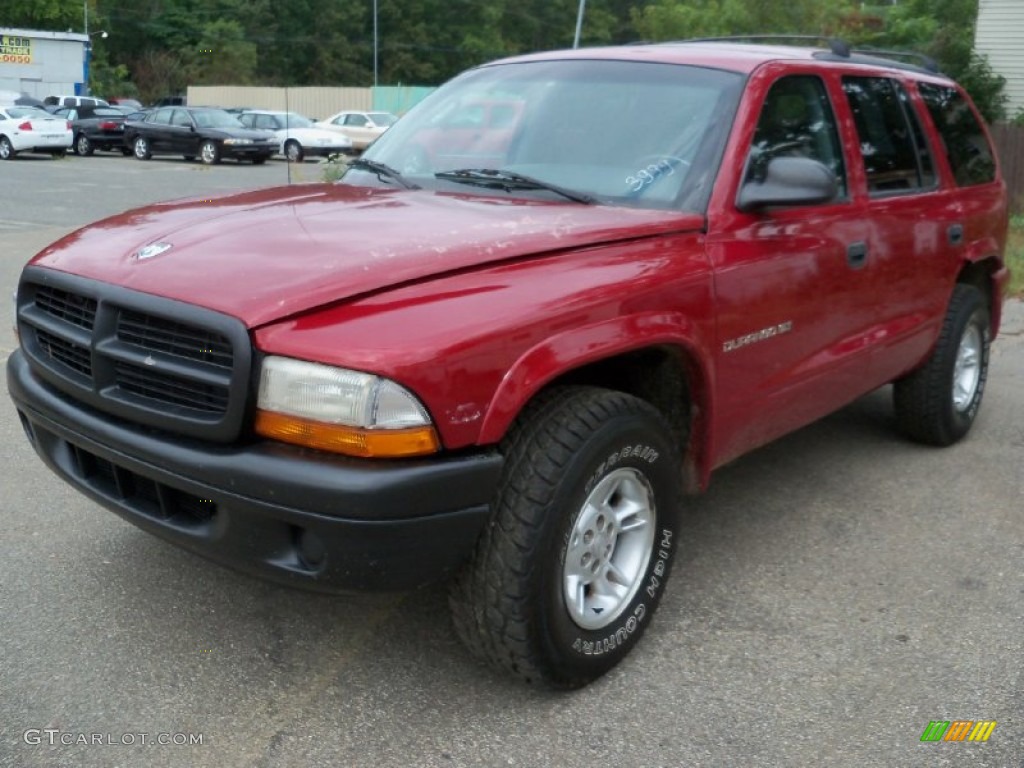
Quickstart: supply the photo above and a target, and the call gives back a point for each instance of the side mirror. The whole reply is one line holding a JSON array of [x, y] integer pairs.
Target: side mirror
[[789, 181]]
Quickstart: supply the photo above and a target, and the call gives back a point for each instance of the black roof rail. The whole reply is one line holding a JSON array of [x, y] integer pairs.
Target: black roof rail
[[837, 46], [922, 60]]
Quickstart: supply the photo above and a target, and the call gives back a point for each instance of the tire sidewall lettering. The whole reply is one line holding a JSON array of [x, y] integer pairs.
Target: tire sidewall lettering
[[650, 458]]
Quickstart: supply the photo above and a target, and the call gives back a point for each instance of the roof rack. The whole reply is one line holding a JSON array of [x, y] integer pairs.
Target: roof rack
[[925, 62], [838, 49], [835, 45]]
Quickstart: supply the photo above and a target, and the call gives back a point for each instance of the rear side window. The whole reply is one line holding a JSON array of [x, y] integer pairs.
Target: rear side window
[[896, 156], [967, 149]]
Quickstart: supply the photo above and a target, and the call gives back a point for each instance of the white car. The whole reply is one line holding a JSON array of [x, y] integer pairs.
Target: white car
[[298, 136], [30, 129], [361, 127]]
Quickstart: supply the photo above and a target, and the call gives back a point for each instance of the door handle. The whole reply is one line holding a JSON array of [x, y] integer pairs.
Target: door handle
[[857, 254], [955, 234]]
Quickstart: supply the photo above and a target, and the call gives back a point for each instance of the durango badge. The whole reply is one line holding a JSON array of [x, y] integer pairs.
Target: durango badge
[[151, 250]]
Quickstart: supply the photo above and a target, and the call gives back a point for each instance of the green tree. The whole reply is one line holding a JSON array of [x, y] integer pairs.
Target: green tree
[[222, 56], [943, 30], [674, 20], [45, 14]]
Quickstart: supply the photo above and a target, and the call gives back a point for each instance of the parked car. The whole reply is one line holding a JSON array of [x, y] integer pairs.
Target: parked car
[[96, 128], [54, 102], [297, 136], [20, 99], [205, 132], [510, 373], [170, 101], [362, 128], [30, 129], [120, 101], [478, 131]]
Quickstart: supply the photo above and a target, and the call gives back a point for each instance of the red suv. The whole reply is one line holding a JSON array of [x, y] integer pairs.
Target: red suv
[[509, 371]]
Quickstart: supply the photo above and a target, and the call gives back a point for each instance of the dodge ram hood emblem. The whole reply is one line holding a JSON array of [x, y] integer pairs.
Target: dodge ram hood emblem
[[151, 250]]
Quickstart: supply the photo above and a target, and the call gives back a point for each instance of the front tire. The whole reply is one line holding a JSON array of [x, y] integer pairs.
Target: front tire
[[6, 149], [937, 403], [141, 148], [568, 575], [293, 151], [209, 153]]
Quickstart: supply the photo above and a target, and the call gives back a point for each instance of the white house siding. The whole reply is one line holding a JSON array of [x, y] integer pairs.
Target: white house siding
[[1000, 37]]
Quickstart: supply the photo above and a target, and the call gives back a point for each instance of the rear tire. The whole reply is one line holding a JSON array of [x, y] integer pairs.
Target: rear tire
[[937, 403], [83, 146], [568, 575], [141, 148]]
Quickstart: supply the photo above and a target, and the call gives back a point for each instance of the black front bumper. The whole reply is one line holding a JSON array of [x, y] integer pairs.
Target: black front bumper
[[299, 517]]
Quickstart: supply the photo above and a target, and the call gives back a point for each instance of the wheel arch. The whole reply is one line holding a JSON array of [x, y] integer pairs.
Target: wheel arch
[[638, 356], [990, 276]]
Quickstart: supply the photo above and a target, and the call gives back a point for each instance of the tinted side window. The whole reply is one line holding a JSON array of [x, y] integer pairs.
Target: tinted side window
[[797, 120], [967, 149], [181, 119], [895, 156], [160, 117]]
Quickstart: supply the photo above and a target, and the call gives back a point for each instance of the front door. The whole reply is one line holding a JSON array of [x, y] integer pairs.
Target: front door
[[790, 281]]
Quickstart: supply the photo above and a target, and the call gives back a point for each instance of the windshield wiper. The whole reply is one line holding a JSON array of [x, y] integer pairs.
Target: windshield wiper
[[509, 180], [383, 171]]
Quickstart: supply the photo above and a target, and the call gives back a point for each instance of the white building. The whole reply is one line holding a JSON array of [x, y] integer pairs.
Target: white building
[[43, 63], [1000, 37]]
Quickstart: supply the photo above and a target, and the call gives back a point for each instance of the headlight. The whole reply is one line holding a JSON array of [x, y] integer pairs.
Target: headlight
[[237, 142], [334, 409]]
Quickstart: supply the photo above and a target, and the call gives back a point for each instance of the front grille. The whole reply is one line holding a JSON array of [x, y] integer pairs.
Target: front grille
[[174, 338], [172, 390], [69, 307], [143, 358], [65, 353]]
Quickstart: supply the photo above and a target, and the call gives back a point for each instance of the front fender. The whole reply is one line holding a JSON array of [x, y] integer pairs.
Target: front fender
[[570, 350]]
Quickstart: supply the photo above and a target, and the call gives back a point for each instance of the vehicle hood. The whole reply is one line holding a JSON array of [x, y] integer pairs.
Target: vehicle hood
[[265, 255]]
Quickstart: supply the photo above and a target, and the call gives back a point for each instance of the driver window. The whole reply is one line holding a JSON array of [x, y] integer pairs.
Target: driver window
[[797, 121]]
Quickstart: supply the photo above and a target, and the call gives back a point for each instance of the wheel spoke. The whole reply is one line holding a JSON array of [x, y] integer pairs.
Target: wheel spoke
[[609, 548]]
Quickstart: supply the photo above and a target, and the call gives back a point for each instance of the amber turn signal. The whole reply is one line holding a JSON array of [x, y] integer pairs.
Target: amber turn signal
[[351, 441]]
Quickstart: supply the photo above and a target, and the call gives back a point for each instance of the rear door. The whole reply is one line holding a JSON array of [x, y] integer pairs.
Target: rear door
[[156, 130], [914, 223]]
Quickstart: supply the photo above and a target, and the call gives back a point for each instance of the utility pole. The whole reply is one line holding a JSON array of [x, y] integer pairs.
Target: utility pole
[[579, 23]]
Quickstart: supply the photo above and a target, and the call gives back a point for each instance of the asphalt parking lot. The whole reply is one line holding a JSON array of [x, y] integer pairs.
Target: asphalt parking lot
[[838, 591]]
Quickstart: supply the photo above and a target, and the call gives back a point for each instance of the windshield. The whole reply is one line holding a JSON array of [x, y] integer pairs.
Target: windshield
[[32, 112], [383, 119], [623, 133]]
